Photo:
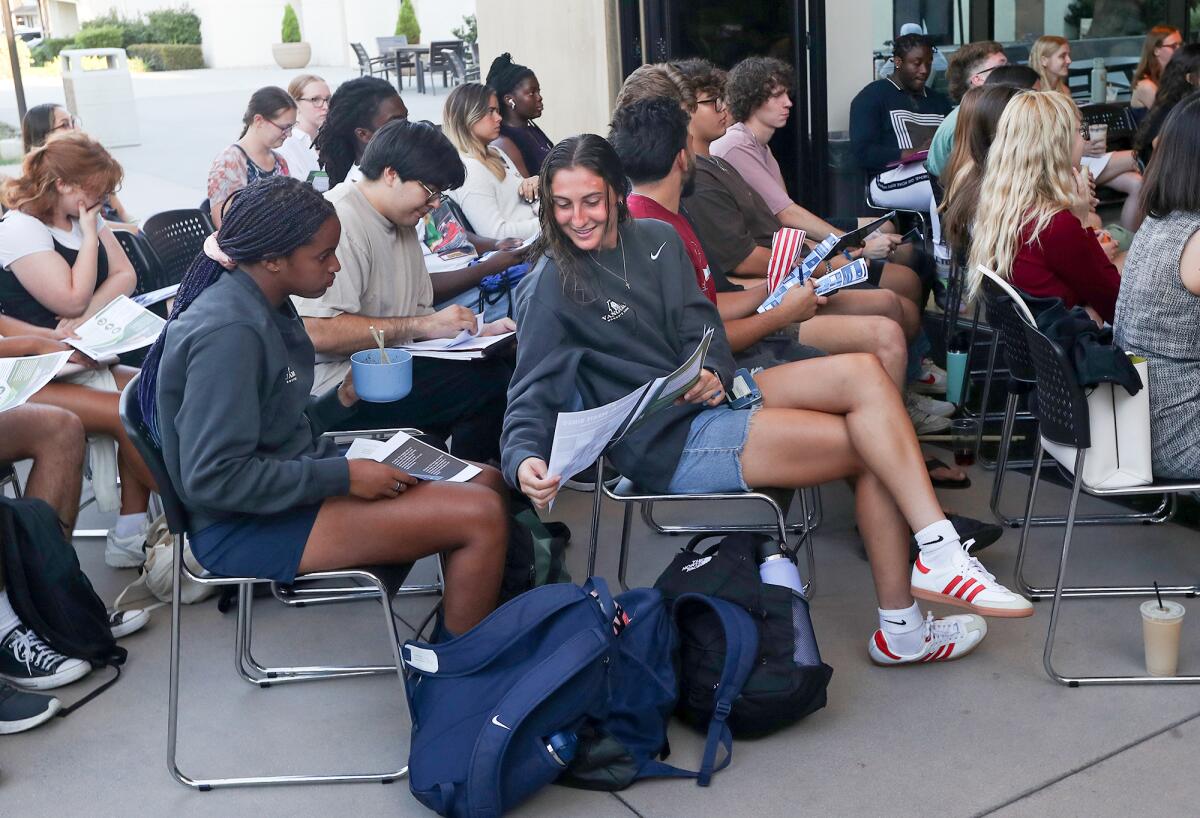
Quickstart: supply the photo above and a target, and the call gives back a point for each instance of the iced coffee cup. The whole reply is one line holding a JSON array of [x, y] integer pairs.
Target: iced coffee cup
[[1161, 625]]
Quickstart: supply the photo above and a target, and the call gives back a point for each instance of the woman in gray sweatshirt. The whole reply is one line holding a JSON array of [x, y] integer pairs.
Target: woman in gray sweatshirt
[[226, 391], [613, 303]]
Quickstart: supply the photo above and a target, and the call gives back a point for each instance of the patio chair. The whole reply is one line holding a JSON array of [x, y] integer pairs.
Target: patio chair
[[626, 493], [459, 72], [176, 237], [1062, 413], [379, 582], [371, 66], [438, 61], [399, 60], [145, 263]]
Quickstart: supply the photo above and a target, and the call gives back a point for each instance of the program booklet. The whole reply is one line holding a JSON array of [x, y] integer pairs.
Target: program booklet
[[121, 326], [416, 457], [21, 377]]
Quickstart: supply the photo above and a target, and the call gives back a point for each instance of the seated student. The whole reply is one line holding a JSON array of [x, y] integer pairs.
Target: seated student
[[1033, 201], [1158, 309], [357, 109], [384, 283], [44, 121], [1158, 48], [520, 97], [60, 264], [226, 391], [970, 67], [893, 118], [311, 95], [496, 200], [267, 122], [1181, 78], [599, 277], [1050, 56]]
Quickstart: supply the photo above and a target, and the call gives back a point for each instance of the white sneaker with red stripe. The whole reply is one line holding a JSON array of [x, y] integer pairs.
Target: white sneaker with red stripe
[[945, 639], [964, 582]]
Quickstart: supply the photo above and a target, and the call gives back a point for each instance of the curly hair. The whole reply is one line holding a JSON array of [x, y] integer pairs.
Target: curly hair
[[752, 82], [73, 158], [702, 76], [965, 62], [353, 105], [657, 80]]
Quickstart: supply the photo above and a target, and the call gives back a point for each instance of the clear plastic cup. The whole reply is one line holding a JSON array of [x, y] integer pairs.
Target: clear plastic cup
[[1161, 626]]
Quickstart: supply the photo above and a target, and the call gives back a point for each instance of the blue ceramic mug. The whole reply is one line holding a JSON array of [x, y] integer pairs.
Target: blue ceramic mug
[[377, 382]]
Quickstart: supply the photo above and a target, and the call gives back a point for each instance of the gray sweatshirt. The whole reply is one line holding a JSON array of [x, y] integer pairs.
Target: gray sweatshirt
[[240, 434], [601, 345]]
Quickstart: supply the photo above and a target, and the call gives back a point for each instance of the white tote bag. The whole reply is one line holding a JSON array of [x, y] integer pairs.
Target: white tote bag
[[1120, 456]]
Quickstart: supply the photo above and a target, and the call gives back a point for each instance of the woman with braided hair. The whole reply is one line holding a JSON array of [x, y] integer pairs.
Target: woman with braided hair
[[520, 98], [226, 391], [357, 109]]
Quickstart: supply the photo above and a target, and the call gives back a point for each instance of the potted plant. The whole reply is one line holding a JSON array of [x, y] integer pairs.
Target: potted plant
[[292, 53], [406, 23]]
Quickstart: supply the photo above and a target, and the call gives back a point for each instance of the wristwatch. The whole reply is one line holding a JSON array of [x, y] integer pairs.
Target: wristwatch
[[828, 267]]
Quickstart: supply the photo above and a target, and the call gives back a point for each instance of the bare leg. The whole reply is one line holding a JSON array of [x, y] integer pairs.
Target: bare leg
[[53, 438], [875, 302], [876, 334], [1121, 174], [467, 522]]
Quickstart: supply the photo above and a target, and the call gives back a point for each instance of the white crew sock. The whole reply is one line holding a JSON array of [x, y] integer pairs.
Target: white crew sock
[[903, 629], [937, 542], [8, 617], [130, 524]]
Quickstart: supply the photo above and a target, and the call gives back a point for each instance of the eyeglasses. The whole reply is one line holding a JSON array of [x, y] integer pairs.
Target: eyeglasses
[[434, 195], [717, 103], [986, 71], [283, 129], [319, 102], [71, 124]]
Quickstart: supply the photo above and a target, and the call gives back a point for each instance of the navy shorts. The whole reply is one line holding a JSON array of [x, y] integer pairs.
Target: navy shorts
[[263, 546]]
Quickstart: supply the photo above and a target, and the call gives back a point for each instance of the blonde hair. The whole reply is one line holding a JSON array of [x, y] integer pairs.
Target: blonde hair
[[296, 87], [1042, 48], [467, 104], [1027, 180]]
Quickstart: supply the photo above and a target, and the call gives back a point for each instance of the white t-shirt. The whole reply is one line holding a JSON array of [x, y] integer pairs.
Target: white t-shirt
[[494, 207], [354, 174], [298, 152], [23, 235]]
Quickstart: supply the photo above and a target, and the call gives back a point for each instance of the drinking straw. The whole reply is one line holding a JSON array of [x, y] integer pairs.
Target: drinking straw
[[1161, 606], [378, 335]]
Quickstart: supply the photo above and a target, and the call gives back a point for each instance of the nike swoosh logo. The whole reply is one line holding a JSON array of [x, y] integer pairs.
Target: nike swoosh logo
[[934, 542], [496, 721], [654, 255], [894, 622]]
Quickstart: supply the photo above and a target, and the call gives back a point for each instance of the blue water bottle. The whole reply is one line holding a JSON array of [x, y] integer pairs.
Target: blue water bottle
[[561, 747], [774, 567]]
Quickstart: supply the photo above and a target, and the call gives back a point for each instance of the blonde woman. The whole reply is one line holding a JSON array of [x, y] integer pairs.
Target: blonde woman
[[311, 94], [1160, 46], [1033, 202], [494, 198]]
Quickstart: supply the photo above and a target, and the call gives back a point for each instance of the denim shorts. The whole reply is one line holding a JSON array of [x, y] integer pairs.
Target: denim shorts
[[712, 456]]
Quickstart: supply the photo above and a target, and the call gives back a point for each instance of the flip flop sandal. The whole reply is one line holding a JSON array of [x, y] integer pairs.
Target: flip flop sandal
[[942, 482]]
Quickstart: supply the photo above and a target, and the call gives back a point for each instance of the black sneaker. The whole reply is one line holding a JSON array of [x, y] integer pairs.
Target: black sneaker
[[21, 711], [28, 662]]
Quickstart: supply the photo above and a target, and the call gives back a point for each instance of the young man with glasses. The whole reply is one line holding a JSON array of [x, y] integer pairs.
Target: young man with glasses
[[970, 67], [383, 283], [312, 107]]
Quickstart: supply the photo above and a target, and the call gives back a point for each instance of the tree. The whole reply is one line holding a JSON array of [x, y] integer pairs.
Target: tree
[[469, 31], [406, 23], [291, 25]]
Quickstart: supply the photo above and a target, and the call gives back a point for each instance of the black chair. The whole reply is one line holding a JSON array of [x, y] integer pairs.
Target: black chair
[[371, 66], [376, 584], [145, 263], [1119, 119], [1062, 413], [459, 72], [438, 61], [399, 60], [176, 237]]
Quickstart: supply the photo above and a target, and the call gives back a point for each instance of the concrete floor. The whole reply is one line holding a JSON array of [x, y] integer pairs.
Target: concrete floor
[[990, 734]]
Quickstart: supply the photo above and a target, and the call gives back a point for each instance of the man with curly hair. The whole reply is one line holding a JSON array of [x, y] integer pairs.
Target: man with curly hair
[[970, 67]]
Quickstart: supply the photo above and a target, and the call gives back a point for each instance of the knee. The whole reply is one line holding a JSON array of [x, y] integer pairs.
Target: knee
[[63, 431], [484, 516], [889, 339], [864, 370]]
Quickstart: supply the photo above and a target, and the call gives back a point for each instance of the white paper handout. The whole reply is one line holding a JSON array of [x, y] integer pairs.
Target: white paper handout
[[120, 326], [21, 377], [156, 296], [466, 344], [419, 459]]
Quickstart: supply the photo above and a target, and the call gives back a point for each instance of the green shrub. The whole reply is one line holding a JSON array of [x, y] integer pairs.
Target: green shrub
[[47, 50], [178, 26], [168, 56], [133, 30], [291, 25], [406, 23], [469, 31], [100, 37]]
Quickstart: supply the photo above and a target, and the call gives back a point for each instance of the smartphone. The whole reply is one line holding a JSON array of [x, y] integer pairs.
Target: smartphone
[[745, 392], [319, 179]]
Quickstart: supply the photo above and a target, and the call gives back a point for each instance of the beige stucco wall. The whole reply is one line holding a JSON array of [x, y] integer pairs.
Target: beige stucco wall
[[572, 45]]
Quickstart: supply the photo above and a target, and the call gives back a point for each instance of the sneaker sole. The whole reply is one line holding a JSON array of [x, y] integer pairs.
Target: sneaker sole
[[131, 625], [927, 388], [48, 682], [21, 725], [982, 610]]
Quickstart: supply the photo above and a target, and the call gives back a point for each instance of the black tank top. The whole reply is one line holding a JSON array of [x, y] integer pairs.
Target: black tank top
[[16, 302]]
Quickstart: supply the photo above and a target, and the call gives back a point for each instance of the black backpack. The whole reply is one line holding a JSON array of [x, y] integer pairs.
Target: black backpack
[[789, 679]]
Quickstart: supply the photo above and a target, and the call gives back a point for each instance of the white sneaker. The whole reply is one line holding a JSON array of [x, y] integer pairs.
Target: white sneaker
[[931, 406], [924, 422], [125, 552], [964, 582], [123, 623], [945, 639], [931, 381]]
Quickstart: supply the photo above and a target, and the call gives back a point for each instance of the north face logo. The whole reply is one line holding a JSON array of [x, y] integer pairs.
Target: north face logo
[[615, 311], [694, 564]]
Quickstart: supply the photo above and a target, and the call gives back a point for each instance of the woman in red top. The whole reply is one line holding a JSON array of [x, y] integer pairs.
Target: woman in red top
[[1033, 203]]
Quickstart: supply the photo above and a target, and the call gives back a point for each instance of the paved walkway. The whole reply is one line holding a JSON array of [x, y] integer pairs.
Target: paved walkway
[[185, 118]]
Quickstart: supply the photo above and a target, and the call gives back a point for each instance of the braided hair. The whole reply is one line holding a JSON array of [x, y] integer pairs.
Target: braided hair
[[352, 106], [505, 75], [268, 219]]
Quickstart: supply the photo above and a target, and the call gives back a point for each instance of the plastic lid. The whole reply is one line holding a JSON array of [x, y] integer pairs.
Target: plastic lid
[[1170, 610]]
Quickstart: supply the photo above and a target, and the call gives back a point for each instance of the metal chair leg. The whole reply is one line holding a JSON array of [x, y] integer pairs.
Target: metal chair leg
[[594, 542], [623, 562]]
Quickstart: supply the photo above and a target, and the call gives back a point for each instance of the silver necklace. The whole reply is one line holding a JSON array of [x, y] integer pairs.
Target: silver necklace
[[624, 276]]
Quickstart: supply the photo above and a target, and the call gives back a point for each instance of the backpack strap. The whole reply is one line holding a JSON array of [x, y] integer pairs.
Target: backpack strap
[[741, 651], [483, 776]]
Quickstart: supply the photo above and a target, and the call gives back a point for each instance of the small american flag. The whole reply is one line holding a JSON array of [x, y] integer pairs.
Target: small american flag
[[785, 251]]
